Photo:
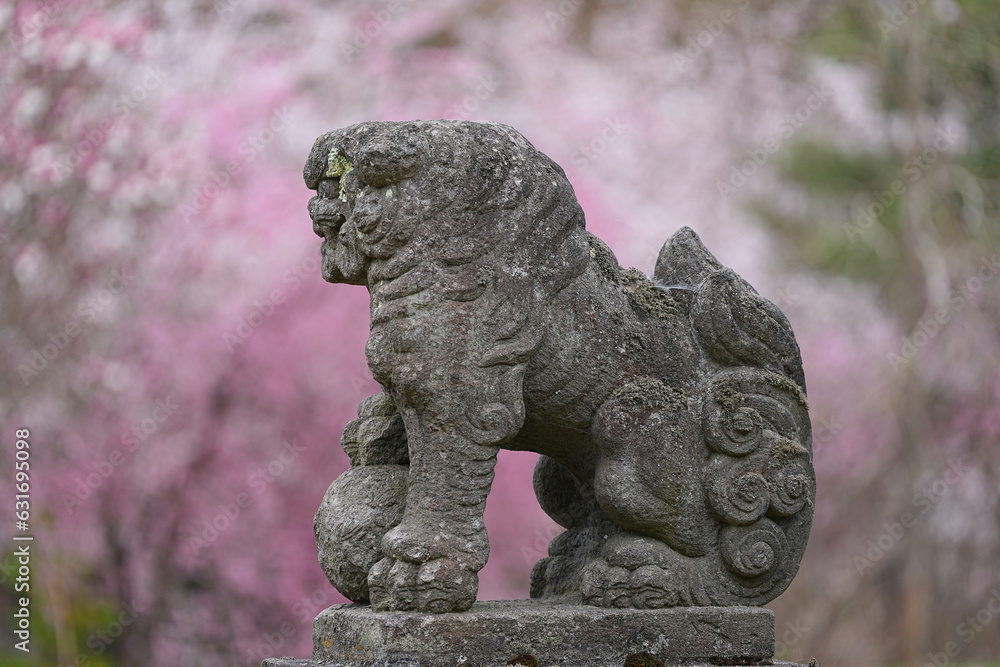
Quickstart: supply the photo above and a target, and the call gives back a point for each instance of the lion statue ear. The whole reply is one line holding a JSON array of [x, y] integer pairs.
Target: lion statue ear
[[684, 261], [382, 152], [736, 325]]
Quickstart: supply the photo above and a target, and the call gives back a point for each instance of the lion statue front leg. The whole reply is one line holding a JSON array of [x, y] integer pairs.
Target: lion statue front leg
[[403, 527], [457, 415], [433, 554]]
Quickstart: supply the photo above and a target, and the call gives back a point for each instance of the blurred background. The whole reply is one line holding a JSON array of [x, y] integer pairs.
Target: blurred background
[[185, 373]]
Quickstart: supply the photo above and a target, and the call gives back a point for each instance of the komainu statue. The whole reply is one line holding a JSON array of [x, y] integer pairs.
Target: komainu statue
[[669, 411]]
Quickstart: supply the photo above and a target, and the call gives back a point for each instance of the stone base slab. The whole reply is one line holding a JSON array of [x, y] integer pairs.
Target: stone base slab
[[292, 662], [495, 632]]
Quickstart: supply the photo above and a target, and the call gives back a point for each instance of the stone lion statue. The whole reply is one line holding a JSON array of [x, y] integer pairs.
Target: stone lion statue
[[670, 412]]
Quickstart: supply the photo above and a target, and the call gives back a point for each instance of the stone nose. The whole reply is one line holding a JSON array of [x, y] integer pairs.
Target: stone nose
[[328, 210]]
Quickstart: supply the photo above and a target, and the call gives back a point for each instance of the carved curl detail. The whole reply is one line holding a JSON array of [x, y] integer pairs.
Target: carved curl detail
[[737, 489], [792, 489], [754, 551]]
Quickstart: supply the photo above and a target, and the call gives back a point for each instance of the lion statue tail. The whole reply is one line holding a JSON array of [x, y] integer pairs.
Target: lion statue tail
[[758, 477]]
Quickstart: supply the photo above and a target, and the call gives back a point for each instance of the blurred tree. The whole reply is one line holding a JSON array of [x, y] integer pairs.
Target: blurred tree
[[913, 213], [151, 209]]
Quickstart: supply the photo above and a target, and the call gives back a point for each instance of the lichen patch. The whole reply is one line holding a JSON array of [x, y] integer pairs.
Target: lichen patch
[[338, 166], [645, 391], [648, 298], [787, 384]]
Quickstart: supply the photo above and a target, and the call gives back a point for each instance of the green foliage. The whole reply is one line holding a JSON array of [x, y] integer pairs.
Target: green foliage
[[825, 170], [84, 617], [924, 70], [847, 34]]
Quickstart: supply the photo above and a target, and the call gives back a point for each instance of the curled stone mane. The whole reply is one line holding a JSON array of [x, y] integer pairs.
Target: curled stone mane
[[513, 239]]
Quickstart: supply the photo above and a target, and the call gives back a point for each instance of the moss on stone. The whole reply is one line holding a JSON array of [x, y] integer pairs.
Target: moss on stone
[[645, 391], [605, 259], [635, 341], [646, 297], [786, 450], [789, 385], [727, 394]]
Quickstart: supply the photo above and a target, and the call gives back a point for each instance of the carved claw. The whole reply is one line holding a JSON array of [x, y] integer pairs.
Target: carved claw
[[426, 571], [424, 543], [638, 572], [439, 586], [646, 587]]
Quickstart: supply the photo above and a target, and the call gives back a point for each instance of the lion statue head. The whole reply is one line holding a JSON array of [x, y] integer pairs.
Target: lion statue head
[[473, 208]]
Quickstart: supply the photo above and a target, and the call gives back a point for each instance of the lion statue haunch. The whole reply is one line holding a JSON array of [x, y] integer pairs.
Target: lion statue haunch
[[670, 412]]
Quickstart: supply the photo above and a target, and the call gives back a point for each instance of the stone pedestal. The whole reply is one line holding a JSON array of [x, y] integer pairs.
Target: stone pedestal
[[495, 633]]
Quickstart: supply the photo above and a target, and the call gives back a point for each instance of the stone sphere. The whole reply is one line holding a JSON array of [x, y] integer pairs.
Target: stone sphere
[[359, 508]]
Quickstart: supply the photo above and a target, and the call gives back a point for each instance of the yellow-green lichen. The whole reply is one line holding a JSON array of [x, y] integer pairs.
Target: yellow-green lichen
[[338, 166], [727, 393], [605, 259]]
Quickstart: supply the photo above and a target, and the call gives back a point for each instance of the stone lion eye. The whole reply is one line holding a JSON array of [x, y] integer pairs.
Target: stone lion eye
[[329, 188]]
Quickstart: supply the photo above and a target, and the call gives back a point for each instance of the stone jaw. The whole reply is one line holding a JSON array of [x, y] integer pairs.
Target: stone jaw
[[699, 492]]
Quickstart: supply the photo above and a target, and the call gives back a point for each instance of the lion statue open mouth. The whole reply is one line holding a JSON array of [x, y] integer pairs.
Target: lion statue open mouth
[[670, 412]]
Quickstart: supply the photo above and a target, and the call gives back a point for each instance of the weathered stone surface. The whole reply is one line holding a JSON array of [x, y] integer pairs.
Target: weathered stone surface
[[357, 511], [637, 662], [495, 632], [670, 412]]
